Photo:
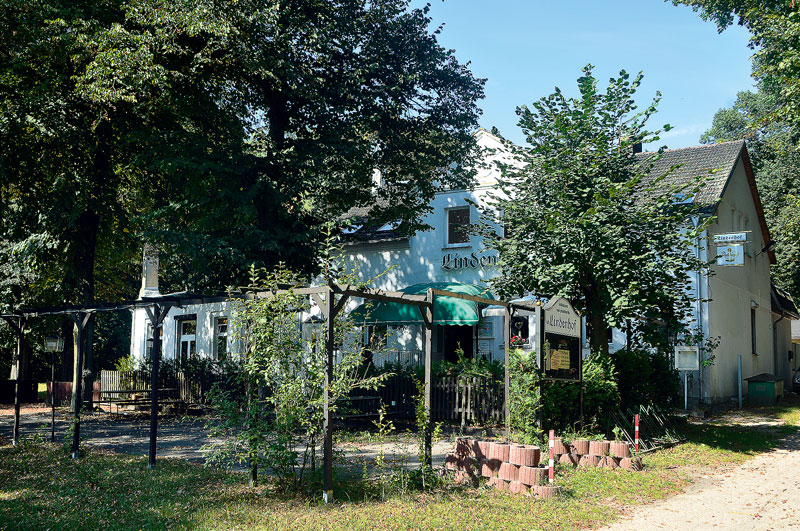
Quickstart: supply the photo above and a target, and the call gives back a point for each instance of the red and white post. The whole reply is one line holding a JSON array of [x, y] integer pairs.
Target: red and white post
[[551, 464], [636, 430]]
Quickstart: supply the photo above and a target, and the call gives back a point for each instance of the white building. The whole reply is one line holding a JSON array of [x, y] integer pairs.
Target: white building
[[737, 304]]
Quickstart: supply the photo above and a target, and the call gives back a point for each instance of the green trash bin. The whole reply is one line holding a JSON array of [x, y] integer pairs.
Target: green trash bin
[[764, 389]]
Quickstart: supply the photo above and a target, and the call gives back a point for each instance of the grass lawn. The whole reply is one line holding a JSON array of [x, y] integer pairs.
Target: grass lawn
[[42, 488]]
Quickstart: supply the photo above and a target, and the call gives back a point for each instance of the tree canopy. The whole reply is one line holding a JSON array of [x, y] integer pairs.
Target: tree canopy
[[226, 133], [585, 220]]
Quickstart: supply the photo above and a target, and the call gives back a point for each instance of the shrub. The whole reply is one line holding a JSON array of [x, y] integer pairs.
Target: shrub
[[645, 377], [559, 403]]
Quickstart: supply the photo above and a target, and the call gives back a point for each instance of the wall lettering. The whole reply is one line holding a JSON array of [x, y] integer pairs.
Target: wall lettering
[[454, 261]]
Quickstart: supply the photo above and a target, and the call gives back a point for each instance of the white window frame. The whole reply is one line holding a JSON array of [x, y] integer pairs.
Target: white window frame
[[447, 212], [216, 335]]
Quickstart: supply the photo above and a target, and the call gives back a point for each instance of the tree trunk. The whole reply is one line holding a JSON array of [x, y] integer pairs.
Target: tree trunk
[[596, 323], [76, 370], [596, 327]]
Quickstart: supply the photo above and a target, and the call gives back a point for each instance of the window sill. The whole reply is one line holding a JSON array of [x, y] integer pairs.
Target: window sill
[[457, 246]]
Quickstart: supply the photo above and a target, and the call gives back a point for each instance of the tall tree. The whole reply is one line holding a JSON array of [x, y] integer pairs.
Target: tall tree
[[585, 219], [227, 132]]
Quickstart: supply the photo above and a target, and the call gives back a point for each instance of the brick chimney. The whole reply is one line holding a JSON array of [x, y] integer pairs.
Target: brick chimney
[[149, 272]]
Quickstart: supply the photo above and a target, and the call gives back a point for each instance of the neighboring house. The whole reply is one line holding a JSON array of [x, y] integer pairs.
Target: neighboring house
[[751, 318], [191, 331]]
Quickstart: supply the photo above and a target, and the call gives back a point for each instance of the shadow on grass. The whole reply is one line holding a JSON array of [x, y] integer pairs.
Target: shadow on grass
[[751, 439]]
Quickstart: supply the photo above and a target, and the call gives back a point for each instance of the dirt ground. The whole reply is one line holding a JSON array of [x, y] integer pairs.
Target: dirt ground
[[763, 494], [182, 437]]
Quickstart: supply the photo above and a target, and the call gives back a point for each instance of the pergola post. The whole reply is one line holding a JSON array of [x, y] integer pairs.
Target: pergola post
[[427, 317], [507, 377], [81, 318], [156, 315], [19, 328]]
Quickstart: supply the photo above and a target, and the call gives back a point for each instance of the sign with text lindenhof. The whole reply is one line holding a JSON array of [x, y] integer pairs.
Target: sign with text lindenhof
[[730, 237], [560, 318], [560, 341]]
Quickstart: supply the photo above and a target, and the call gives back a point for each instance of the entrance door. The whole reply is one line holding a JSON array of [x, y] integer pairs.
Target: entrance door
[[455, 336]]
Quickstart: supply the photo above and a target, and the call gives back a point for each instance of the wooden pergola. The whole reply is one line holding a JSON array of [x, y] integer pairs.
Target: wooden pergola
[[331, 300]]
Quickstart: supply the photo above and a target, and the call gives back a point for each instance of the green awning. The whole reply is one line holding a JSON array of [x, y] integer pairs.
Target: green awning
[[446, 310]]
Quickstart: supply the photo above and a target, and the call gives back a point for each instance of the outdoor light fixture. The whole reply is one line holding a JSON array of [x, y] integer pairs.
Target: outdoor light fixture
[[768, 248], [53, 343]]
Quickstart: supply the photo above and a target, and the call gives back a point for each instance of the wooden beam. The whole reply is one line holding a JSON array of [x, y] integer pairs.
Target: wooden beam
[[327, 426], [386, 296], [428, 347], [80, 318], [473, 298]]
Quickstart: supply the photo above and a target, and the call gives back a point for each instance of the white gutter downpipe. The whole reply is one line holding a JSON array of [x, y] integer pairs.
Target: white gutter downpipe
[[699, 310]]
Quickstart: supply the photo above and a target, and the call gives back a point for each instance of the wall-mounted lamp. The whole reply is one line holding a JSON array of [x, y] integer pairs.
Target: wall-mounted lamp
[[768, 248]]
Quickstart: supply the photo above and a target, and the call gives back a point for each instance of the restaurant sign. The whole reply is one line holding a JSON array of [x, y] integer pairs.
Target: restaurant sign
[[560, 343]]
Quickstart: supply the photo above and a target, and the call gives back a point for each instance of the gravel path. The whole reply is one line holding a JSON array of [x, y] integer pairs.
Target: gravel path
[[183, 437], [762, 494]]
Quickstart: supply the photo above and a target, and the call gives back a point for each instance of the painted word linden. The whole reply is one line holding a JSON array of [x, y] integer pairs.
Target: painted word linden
[[452, 261]]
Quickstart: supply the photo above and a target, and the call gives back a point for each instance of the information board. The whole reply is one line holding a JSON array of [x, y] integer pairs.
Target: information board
[[560, 342]]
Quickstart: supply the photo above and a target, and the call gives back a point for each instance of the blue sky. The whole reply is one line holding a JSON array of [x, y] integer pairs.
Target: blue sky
[[526, 48]]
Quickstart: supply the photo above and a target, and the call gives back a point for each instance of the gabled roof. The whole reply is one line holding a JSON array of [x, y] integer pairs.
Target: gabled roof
[[715, 163]]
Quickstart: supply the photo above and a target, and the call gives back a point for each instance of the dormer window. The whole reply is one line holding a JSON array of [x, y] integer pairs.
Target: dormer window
[[458, 224]]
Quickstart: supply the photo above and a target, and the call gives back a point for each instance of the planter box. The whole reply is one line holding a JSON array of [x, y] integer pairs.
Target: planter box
[[619, 449], [525, 455], [589, 460], [631, 463], [500, 451], [515, 487], [569, 459], [609, 462], [508, 472], [529, 475], [559, 447], [545, 491], [580, 447], [598, 448]]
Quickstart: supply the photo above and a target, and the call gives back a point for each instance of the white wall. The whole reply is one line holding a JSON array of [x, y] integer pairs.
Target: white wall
[[733, 290], [206, 313]]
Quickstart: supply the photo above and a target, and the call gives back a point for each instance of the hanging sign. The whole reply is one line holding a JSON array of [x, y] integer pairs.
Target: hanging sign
[[730, 237], [730, 255]]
